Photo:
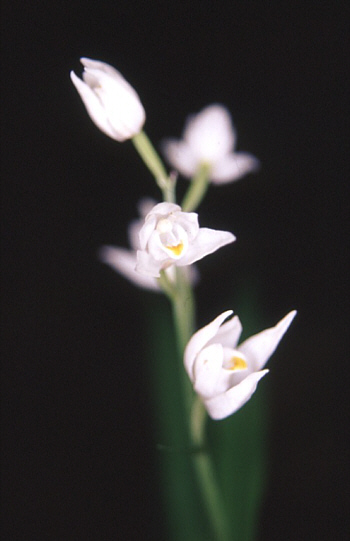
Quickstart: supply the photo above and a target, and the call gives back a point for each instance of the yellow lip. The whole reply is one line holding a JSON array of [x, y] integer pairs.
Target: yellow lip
[[237, 363], [177, 250]]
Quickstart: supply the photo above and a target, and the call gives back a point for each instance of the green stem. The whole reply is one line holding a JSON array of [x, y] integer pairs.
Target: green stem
[[152, 160], [212, 496], [167, 285], [198, 418], [183, 315], [183, 311], [205, 474], [197, 189]]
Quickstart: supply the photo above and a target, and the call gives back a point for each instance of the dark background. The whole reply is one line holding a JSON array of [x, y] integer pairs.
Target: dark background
[[77, 411]]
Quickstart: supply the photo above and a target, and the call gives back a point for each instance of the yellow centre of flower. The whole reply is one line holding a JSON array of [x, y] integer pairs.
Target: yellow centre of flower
[[237, 363], [176, 249]]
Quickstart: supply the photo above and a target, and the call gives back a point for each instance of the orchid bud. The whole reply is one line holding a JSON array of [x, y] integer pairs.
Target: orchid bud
[[113, 105]]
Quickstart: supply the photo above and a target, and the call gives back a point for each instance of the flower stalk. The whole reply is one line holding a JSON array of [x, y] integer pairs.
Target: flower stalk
[[183, 308], [197, 188], [211, 495], [152, 160]]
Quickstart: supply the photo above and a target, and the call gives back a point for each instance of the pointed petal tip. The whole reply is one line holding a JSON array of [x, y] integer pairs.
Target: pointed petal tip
[[264, 372], [227, 403], [79, 84], [86, 61], [226, 314], [218, 321], [73, 76], [287, 320]]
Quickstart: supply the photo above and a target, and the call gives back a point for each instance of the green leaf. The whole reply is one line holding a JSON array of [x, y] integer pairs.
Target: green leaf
[[238, 446], [182, 501]]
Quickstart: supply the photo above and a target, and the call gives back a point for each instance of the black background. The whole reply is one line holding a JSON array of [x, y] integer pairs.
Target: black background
[[78, 431]]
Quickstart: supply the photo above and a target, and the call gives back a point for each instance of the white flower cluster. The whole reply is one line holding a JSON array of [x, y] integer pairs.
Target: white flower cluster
[[223, 374]]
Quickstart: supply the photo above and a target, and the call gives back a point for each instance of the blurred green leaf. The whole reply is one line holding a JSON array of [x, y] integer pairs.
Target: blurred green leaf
[[181, 497], [237, 444]]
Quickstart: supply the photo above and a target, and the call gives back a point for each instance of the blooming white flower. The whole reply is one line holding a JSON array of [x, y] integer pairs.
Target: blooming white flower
[[111, 102], [209, 139], [172, 237], [226, 375]]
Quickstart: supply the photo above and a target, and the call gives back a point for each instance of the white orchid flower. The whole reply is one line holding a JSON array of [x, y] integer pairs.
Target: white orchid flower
[[124, 261], [226, 375], [208, 140], [113, 105], [172, 237]]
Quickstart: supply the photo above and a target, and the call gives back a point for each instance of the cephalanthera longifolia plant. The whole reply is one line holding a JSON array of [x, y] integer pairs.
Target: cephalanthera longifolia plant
[[219, 374]]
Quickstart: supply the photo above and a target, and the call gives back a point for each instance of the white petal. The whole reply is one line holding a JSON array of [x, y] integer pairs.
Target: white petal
[[180, 156], [145, 205], [210, 133], [124, 110], [163, 209], [101, 66], [124, 262], [146, 264], [200, 339], [146, 230], [229, 333], [189, 223], [206, 242], [233, 166], [93, 105], [157, 250], [134, 234], [103, 72], [259, 348], [207, 370], [225, 404]]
